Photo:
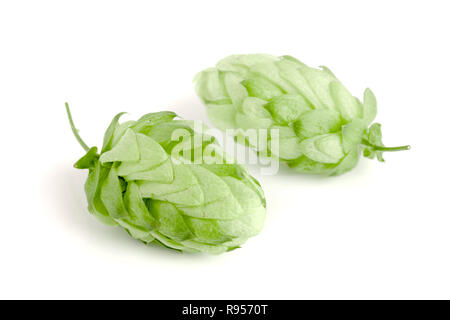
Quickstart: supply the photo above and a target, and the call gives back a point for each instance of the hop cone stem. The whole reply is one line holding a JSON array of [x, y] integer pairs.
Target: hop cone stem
[[75, 130], [385, 149]]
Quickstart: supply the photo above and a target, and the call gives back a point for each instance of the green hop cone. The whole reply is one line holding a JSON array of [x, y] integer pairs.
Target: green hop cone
[[318, 125], [164, 182]]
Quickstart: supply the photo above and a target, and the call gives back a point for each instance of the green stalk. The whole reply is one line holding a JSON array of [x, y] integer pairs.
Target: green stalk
[[385, 149], [75, 130]]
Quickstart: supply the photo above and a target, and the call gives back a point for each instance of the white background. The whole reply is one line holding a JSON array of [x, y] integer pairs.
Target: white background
[[380, 231]]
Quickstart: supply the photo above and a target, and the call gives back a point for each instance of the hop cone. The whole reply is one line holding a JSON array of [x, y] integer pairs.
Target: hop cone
[[321, 127], [174, 193]]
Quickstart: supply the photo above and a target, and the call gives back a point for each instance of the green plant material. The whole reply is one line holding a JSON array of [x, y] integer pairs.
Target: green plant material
[[322, 128], [151, 180]]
